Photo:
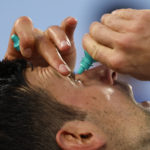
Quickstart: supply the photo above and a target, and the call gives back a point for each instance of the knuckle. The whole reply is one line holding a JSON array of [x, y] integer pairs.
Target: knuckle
[[105, 18], [52, 28], [137, 26], [37, 33], [93, 27], [123, 42], [9, 57], [95, 53], [117, 11], [144, 16], [116, 63], [120, 42], [51, 31]]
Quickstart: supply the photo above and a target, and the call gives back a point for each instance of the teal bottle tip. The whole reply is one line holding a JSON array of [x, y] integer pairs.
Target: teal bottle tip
[[85, 63], [16, 41], [81, 70]]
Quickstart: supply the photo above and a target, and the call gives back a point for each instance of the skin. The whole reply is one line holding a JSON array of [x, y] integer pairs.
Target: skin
[[111, 111], [108, 104], [58, 49]]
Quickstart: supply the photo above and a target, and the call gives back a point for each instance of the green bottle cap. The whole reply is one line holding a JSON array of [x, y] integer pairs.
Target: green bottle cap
[[85, 63], [16, 41]]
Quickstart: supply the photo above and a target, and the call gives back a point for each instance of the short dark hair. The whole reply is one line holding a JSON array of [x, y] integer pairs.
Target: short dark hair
[[29, 118]]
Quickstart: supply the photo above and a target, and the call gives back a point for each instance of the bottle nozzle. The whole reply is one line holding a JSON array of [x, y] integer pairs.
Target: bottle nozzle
[[86, 62], [16, 41], [81, 70]]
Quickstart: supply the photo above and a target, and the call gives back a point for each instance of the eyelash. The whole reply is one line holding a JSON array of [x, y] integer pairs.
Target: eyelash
[[72, 76]]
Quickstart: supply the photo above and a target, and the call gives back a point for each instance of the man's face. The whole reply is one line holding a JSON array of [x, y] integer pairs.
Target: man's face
[[108, 103]]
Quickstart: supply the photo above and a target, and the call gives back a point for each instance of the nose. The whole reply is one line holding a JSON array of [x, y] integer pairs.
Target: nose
[[98, 74]]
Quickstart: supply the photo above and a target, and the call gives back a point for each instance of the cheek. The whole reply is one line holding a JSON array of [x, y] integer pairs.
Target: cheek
[[100, 97], [111, 104], [118, 117]]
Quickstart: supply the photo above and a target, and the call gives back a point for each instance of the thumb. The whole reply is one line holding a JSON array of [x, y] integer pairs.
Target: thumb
[[98, 51], [23, 28]]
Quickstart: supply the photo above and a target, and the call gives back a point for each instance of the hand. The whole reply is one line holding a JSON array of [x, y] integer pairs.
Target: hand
[[122, 42], [54, 47]]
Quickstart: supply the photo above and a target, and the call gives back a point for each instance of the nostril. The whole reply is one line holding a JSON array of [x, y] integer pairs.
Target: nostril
[[114, 75], [108, 76]]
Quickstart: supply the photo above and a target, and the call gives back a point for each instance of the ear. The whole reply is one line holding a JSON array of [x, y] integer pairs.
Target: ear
[[80, 135]]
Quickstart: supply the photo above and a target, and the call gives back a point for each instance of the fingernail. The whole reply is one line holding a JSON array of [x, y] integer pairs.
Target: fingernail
[[27, 52], [114, 12], [64, 68], [65, 44], [73, 21]]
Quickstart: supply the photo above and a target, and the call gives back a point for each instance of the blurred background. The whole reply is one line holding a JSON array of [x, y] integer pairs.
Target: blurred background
[[45, 13]]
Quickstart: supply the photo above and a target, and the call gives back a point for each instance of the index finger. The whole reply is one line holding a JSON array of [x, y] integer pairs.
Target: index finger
[[51, 55], [69, 25]]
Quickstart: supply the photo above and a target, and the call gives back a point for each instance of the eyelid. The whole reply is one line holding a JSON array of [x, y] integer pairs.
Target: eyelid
[[72, 75]]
